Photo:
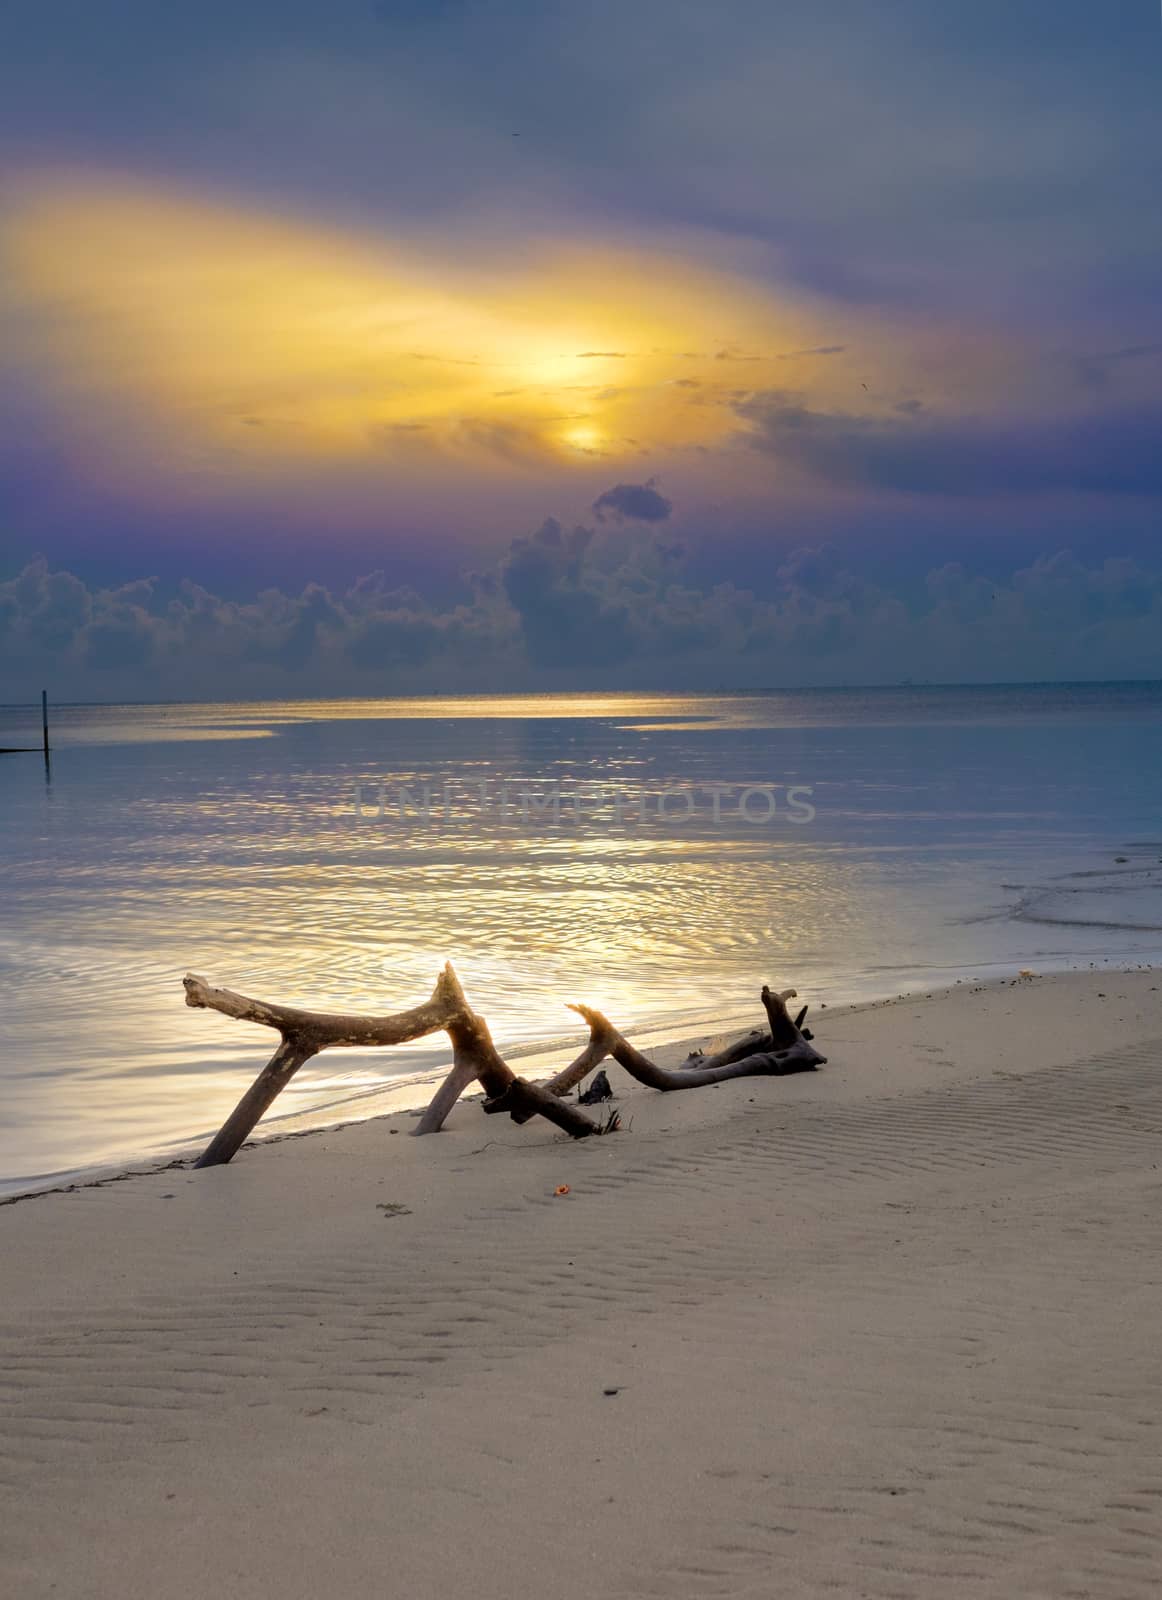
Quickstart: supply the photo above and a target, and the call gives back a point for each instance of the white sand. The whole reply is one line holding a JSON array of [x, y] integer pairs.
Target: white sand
[[892, 1329]]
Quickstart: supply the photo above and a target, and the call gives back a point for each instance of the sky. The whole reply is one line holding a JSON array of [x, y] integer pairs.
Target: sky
[[378, 346]]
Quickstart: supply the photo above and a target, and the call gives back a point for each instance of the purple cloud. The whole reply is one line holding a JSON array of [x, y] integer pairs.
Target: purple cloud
[[637, 502]]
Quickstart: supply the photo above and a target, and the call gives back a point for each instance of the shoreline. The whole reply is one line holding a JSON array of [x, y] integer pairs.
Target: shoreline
[[888, 1328], [670, 1045]]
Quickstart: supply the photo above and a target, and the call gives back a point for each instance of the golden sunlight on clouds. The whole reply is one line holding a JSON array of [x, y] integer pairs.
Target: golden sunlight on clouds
[[248, 344]]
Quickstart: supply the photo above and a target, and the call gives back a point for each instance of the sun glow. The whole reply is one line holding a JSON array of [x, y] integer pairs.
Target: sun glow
[[252, 344], [583, 436]]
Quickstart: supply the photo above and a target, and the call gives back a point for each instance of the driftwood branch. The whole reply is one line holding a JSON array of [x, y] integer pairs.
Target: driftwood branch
[[305, 1033], [783, 1051], [757, 1042], [569, 1077], [464, 1073], [324, 1030], [472, 1045], [780, 1050], [461, 1077]]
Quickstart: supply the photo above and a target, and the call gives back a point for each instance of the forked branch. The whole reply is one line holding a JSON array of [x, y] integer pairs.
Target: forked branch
[[305, 1033], [782, 1049], [781, 1052], [323, 1029]]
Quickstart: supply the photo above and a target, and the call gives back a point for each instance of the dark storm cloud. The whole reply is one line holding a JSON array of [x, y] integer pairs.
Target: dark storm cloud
[[641, 502], [1102, 455]]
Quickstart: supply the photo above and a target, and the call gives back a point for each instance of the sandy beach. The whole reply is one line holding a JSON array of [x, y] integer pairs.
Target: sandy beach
[[889, 1329]]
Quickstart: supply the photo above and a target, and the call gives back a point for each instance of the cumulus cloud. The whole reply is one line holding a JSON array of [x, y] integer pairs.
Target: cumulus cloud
[[569, 608], [641, 502]]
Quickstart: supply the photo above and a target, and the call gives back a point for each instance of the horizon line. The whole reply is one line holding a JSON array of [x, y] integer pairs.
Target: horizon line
[[559, 694]]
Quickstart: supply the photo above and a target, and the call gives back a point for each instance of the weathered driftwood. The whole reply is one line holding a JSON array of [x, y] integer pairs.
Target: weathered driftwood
[[472, 1046], [305, 1033], [781, 1050], [594, 1054], [757, 1042], [569, 1077], [461, 1077]]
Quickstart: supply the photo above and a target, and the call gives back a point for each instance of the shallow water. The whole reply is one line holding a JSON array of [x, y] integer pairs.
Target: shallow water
[[953, 831]]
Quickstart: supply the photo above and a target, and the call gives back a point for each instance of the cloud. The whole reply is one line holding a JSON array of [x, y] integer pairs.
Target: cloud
[[169, 327], [1111, 454], [641, 502], [564, 617], [816, 350], [571, 608], [1094, 371], [512, 442], [1037, 141]]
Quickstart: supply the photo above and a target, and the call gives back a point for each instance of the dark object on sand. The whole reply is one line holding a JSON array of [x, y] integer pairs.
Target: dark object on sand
[[305, 1033], [806, 1032], [783, 1049], [597, 1091]]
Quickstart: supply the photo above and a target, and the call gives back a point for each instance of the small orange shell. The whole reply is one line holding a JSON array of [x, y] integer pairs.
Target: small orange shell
[[562, 1188]]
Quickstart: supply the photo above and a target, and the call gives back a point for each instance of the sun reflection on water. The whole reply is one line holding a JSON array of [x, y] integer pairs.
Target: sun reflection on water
[[246, 861]]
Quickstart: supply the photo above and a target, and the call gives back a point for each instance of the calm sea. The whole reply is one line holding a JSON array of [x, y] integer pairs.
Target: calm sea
[[658, 856]]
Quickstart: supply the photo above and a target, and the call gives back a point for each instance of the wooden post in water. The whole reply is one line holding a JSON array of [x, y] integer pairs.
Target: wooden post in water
[[44, 719]]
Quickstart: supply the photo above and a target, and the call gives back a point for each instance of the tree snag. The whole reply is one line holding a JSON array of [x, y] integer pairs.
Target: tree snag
[[305, 1033], [775, 1053], [780, 1050]]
